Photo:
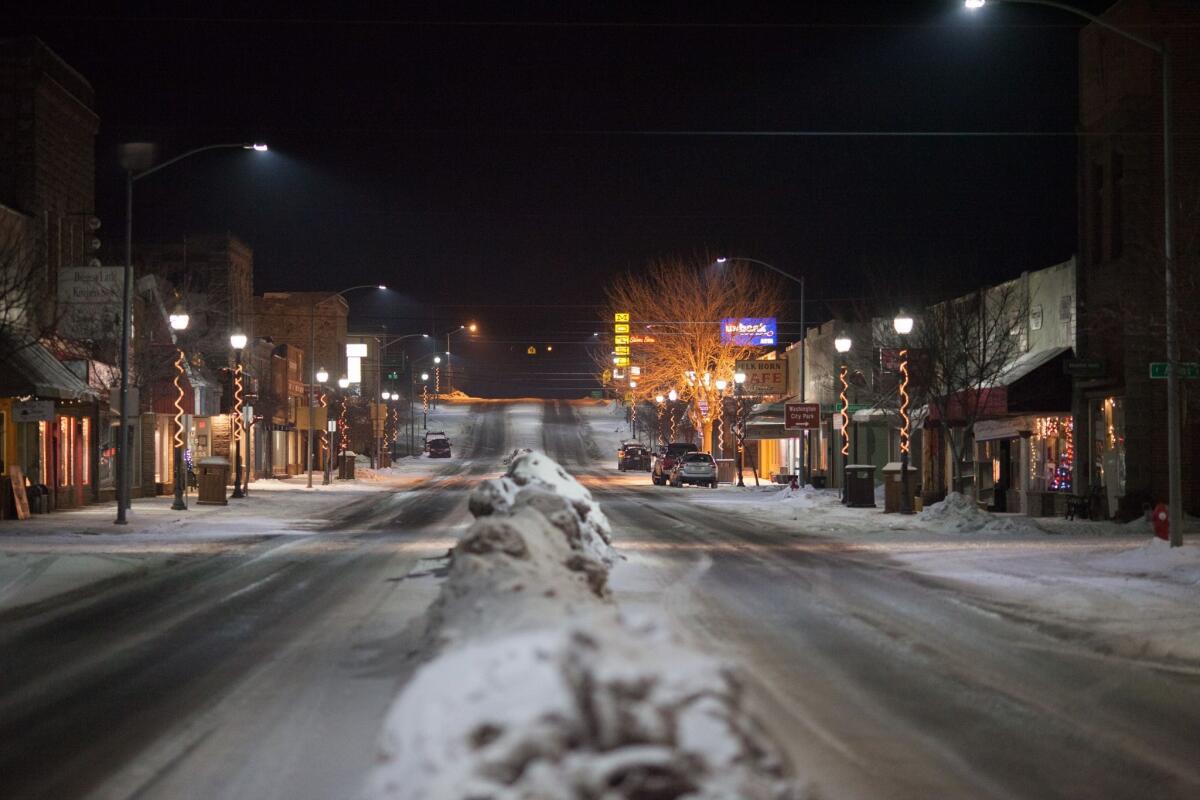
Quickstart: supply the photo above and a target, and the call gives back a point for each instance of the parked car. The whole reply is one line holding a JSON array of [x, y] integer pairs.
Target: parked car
[[697, 468], [664, 460], [431, 435], [633, 456], [438, 448]]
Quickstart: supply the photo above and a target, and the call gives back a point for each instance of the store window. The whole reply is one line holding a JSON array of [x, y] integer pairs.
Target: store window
[[1052, 454], [85, 466], [1108, 444]]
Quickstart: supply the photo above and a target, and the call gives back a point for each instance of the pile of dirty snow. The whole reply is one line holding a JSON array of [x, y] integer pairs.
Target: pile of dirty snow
[[541, 690], [958, 513], [1156, 557], [803, 497]]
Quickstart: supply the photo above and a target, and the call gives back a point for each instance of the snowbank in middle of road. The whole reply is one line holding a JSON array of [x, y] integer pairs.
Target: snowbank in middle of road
[[542, 690]]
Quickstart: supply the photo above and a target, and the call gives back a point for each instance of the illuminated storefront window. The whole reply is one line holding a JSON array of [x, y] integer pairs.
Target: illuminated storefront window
[[1052, 454]]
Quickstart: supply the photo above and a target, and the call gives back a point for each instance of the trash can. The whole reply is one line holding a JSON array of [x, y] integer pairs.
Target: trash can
[[212, 476], [893, 483], [860, 485], [346, 466], [726, 470], [38, 496]]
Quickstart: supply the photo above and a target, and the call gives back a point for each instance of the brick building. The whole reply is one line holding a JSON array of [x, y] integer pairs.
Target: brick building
[[48, 128], [47, 198], [1120, 412], [295, 318], [214, 273]]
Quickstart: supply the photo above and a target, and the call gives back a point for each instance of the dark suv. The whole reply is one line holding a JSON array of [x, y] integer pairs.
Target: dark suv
[[664, 461], [633, 456]]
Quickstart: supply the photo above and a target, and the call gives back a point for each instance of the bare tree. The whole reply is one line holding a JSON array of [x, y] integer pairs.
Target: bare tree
[[25, 314], [679, 303], [964, 349]]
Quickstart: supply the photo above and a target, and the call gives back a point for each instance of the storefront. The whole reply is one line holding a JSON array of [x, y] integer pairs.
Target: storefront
[[1025, 463], [48, 422]]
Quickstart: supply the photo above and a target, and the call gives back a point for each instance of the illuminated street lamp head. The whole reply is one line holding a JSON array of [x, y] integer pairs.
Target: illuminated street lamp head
[[437, 359], [381, 288], [424, 376], [322, 375], [721, 384], [237, 340], [672, 395], [261, 147], [386, 395], [739, 378], [842, 344], [974, 4], [343, 382], [178, 319], [721, 259], [903, 323], [472, 327], [658, 398]]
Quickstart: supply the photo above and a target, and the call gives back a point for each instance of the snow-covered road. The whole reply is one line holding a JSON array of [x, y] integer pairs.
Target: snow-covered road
[[887, 680], [245, 656]]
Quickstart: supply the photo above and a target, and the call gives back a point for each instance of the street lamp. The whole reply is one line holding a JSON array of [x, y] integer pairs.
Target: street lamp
[[739, 379], [312, 356], [1174, 467], [842, 345], [903, 324], [470, 328], [237, 341], [179, 322], [135, 156], [343, 382]]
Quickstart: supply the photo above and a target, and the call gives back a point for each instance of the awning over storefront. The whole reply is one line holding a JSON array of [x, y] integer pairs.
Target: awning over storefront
[[765, 421], [28, 368], [1034, 383]]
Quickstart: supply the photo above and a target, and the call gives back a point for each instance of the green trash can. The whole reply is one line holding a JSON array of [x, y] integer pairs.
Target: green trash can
[[860, 485]]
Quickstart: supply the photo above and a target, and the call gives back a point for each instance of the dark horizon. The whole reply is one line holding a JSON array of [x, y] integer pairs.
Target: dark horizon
[[493, 171]]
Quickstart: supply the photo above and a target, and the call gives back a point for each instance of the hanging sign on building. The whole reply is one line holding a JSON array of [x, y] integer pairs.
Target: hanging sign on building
[[89, 302], [764, 377], [33, 411]]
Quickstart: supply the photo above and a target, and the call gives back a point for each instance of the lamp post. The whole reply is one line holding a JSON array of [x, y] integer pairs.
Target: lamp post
[[179, 322], [322, 376], [425, 401], [903, 324], [469, 328], [1174, 450], [140, 154], [842, 345], [739, 431], [658, 398], [803, 335], [343, 384], [718, 445], [312, 360], [238, 342]]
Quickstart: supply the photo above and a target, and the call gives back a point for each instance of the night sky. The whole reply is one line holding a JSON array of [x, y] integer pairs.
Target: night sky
[[500, 163]]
